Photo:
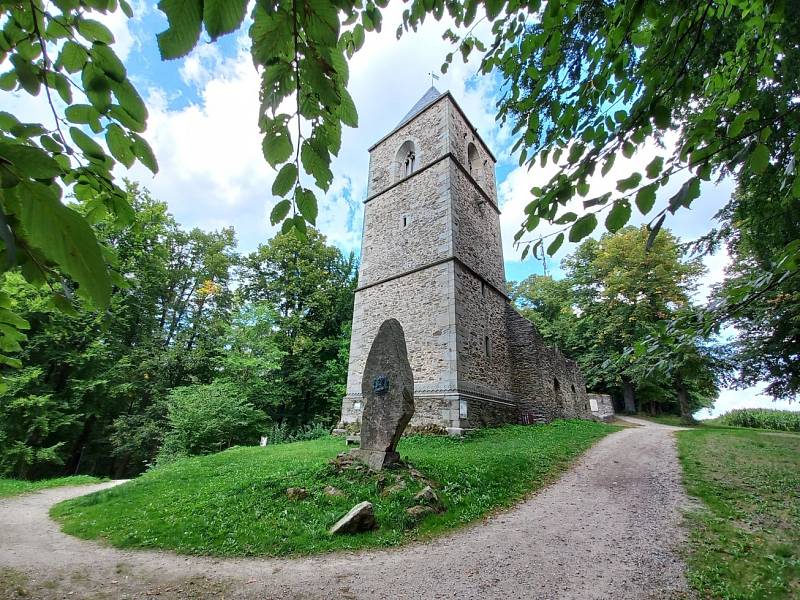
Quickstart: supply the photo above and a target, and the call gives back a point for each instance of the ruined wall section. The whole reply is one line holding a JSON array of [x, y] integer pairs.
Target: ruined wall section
[[408, 226], [544, 381], [429, 133], [483, 353]]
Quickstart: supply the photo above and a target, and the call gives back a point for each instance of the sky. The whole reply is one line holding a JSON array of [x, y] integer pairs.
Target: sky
[[203, 129]]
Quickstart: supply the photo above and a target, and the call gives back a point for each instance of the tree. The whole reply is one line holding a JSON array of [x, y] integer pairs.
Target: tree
[[310, 287], [757, 228], [550, 304], [613, 293], [693, 366], [584, 81]]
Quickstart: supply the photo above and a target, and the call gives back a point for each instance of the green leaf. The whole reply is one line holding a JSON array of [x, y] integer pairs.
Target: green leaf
[[646, 198], [65, 238], [655, 167], [689, 191], [620, 214], [285, 179], [119, 145], [567, 217], [629, 183], [299, 227], [108, 62], [144, 153], [628, 149], [306, 204], [223, 16], [608, 164], [277, 145], [26, 74], [97, 87], [8, 81], [29, 161], [87, 144], [185, 23], [662, 116], [130, 101], [72, 57], [582, 227], [279, 211], [555, 244], [759, 158], [316, 166], [95, 31], [347, 110], [81, 113], [654, 229]]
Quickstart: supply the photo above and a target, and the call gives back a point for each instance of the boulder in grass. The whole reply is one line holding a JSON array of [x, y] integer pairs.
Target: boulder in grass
[[360, 518], [419, 512], [428, 497], [296, 493]]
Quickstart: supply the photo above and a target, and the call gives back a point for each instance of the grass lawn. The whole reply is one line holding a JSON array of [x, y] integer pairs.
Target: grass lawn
[[13, 487], [746, 544], [234, 503]]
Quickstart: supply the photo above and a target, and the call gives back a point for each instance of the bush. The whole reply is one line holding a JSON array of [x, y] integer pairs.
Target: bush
[[762, 418], [279, 433], [209, 418]]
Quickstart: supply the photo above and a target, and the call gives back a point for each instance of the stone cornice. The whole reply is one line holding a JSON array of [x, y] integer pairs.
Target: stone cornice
[[451, 156], [436, 263]]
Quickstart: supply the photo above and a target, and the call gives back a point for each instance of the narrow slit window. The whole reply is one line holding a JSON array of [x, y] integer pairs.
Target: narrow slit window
[[483, 289], [405, 221], [486, 346]]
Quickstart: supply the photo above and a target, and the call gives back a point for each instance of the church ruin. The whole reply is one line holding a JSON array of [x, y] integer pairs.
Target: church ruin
[[432, 258]]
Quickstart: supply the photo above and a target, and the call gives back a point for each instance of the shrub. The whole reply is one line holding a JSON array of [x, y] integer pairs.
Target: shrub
[[209, 418], [762, 418], [279, 433]]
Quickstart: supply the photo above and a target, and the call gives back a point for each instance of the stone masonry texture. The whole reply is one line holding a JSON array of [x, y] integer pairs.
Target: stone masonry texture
[[432, 258]]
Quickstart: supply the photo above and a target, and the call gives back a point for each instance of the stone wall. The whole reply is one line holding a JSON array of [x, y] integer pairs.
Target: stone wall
[[408, 226], [423, 302], [480, 314], [428, 132], [461, 135], [544, 382], [602, 406], [476, 230]]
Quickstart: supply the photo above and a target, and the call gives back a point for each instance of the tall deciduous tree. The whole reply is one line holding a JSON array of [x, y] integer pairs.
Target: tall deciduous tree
[[613, 293], [310, 285]]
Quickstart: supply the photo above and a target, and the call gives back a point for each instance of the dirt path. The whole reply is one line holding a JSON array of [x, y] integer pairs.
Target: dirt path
[[609, 528]]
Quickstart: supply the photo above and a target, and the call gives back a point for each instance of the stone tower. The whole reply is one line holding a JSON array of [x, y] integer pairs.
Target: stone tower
[[431, 257]]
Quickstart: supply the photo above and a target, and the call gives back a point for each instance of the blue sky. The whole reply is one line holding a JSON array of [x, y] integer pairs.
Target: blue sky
[[203, 129]]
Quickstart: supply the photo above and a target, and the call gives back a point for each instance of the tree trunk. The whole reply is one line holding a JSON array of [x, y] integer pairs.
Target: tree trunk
[[683, 402], [627, 396]]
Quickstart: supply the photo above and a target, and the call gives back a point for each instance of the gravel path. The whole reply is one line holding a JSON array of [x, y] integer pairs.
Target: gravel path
[[609, 528]]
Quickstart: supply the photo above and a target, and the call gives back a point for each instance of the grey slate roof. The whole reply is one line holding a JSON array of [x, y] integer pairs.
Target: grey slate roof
[[428, 97]]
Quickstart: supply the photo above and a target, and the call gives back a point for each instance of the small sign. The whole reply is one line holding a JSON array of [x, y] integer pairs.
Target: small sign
[[462, 409], [380, 385], [593, 404]]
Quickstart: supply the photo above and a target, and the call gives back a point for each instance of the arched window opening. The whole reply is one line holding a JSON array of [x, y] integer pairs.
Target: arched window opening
[[406, 159], [472, 160], [556, 385]]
